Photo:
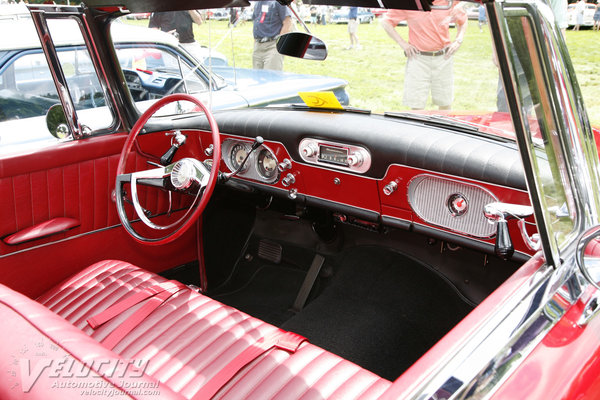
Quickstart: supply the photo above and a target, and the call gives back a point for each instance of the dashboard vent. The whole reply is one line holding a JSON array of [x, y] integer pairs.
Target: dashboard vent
[[453, 205]]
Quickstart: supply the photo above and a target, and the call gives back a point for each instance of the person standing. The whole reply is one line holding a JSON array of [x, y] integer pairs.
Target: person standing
[[429, 52], [481, 17], [271, 20], [597, 18], [353, 28], [180, 24], [579, 12]]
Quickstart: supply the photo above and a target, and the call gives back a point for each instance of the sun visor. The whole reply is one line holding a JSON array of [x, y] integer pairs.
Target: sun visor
[[421, 5], [139, 6]]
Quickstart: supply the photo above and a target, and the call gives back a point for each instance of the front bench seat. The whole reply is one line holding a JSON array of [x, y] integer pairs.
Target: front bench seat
[[190, 338]]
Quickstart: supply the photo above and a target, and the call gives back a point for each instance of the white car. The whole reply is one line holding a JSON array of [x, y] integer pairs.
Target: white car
[[588, 14]]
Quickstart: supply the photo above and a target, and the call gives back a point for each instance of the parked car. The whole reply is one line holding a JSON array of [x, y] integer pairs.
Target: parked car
[[219, 14], [341, 16], [588, 15], [152, 63], [178, 249]]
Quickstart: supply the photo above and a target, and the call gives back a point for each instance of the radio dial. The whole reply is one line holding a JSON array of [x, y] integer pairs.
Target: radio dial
[[355, 159], [310, 150]]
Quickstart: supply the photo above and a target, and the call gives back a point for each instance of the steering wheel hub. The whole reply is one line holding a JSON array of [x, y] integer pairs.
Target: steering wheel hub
[[183, 174]]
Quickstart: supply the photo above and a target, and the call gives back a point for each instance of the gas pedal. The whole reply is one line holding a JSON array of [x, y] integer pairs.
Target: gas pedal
[[270, 251]]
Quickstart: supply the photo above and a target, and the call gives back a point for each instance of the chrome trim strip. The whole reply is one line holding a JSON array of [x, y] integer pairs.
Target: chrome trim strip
[[57, 73]]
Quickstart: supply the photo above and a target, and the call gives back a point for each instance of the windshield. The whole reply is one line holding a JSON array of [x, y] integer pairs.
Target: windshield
[[439, 63]]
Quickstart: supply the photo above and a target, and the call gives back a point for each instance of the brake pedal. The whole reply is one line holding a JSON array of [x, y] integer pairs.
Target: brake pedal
[[270, 251]]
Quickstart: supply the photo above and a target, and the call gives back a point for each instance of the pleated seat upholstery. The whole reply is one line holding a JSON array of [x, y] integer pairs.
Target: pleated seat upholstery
[[189, 338]]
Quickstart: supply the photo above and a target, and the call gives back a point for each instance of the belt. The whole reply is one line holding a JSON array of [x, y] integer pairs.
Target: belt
[[434, 53], [265, 39]]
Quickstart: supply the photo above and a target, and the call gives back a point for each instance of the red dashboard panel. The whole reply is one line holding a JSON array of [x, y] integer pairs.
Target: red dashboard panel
[[366, 193]]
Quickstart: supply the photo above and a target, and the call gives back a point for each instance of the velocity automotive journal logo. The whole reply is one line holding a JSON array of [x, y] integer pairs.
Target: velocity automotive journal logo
[[47, 365]]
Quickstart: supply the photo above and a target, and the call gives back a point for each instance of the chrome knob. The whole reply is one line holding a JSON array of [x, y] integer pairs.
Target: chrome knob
[[209, 150], [288, 180], [309, 150], [390, 188], [285, 164], [355, 159]]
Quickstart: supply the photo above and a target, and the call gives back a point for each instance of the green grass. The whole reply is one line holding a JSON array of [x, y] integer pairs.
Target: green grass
[[376, 73]]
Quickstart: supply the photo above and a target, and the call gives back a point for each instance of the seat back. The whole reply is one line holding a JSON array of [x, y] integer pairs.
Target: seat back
[[44, 356]]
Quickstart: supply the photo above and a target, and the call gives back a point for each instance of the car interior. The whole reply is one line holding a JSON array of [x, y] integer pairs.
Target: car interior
[[318, 253]]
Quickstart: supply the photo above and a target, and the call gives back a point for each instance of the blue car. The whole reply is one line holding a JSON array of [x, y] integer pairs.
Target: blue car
[[152, 63], [341, 16]]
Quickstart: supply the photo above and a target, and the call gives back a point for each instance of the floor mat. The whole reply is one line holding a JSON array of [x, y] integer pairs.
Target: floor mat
[[267, 294], [382, 311]]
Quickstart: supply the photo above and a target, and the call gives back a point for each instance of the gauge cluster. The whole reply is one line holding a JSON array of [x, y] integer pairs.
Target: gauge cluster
[[260, 166]]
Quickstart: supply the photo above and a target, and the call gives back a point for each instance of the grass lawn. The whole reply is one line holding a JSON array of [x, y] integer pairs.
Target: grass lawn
[[382, 57]]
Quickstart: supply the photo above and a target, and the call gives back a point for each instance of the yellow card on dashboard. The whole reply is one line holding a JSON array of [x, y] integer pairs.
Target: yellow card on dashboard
[[320, 100]]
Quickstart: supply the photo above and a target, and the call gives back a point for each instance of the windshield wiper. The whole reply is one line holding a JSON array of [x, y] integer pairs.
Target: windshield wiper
[[301, 106], [446, 121], [433, 119]]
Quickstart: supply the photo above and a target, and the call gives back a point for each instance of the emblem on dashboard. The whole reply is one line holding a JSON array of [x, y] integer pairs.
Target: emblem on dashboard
[[457, 204]]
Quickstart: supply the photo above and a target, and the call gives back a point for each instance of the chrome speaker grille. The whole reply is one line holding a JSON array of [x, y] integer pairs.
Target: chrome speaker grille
[[431, 198]]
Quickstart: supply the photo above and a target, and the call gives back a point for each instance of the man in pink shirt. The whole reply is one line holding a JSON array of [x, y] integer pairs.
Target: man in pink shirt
[[429, 51]]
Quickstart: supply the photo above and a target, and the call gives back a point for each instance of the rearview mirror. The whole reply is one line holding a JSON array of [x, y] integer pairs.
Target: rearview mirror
[[588, 256], [302, 45], [57, 122]]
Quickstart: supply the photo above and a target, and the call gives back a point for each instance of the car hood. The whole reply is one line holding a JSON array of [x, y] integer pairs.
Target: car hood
[[263, 86]]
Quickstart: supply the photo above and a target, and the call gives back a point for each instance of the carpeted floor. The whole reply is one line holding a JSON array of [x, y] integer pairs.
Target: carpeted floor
[[380, 309]]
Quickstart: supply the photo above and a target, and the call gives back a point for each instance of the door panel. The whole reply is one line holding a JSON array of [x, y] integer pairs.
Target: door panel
[[76, 180]]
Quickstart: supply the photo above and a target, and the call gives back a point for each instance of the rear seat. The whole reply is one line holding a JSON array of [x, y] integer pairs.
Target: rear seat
[[190, 338]]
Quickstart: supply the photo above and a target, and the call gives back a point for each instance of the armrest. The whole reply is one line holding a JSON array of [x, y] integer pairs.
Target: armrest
[[41, 230]]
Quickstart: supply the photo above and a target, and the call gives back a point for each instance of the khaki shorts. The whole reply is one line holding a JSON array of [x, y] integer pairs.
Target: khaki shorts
[[425, 74], [352, 26]]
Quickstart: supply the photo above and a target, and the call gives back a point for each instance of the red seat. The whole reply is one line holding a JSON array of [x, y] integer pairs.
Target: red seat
[[190, 338]]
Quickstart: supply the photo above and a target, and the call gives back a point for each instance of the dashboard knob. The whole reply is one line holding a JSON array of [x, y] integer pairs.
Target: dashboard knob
[[309, 150], [285, 164], [355, 159], [288, 180], [390, 188]]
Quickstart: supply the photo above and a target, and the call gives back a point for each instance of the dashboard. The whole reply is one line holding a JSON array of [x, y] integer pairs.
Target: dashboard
[[379, 182]]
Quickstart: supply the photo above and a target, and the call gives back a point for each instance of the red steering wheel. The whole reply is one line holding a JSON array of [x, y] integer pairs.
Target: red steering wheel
[[186, 175]]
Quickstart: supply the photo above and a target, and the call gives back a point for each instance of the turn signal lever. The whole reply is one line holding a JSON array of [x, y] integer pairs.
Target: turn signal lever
[[223, 177], [500, 213], [178, 140]]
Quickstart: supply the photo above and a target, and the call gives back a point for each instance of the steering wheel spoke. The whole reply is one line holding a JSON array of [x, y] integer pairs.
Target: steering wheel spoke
[[187, 175]]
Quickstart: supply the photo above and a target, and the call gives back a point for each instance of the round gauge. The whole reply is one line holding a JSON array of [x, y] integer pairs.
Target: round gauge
[[266, 164], [237, 156], [457, 204]]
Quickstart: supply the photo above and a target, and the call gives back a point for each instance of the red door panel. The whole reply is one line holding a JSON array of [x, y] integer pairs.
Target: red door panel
[[75, 180]]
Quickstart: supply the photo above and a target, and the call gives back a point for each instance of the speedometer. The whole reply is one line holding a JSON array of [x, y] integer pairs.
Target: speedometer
[[266, 164], [238, 154]]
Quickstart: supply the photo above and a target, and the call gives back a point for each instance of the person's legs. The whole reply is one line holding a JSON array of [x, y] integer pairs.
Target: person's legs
[[352, 28], [417, 82], [272, 59], [258, 56], [442, 86]]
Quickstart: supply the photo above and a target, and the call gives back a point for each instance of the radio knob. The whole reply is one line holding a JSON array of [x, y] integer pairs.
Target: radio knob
[[309, 150], [355, 159], [390, 188], [288, 180]]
